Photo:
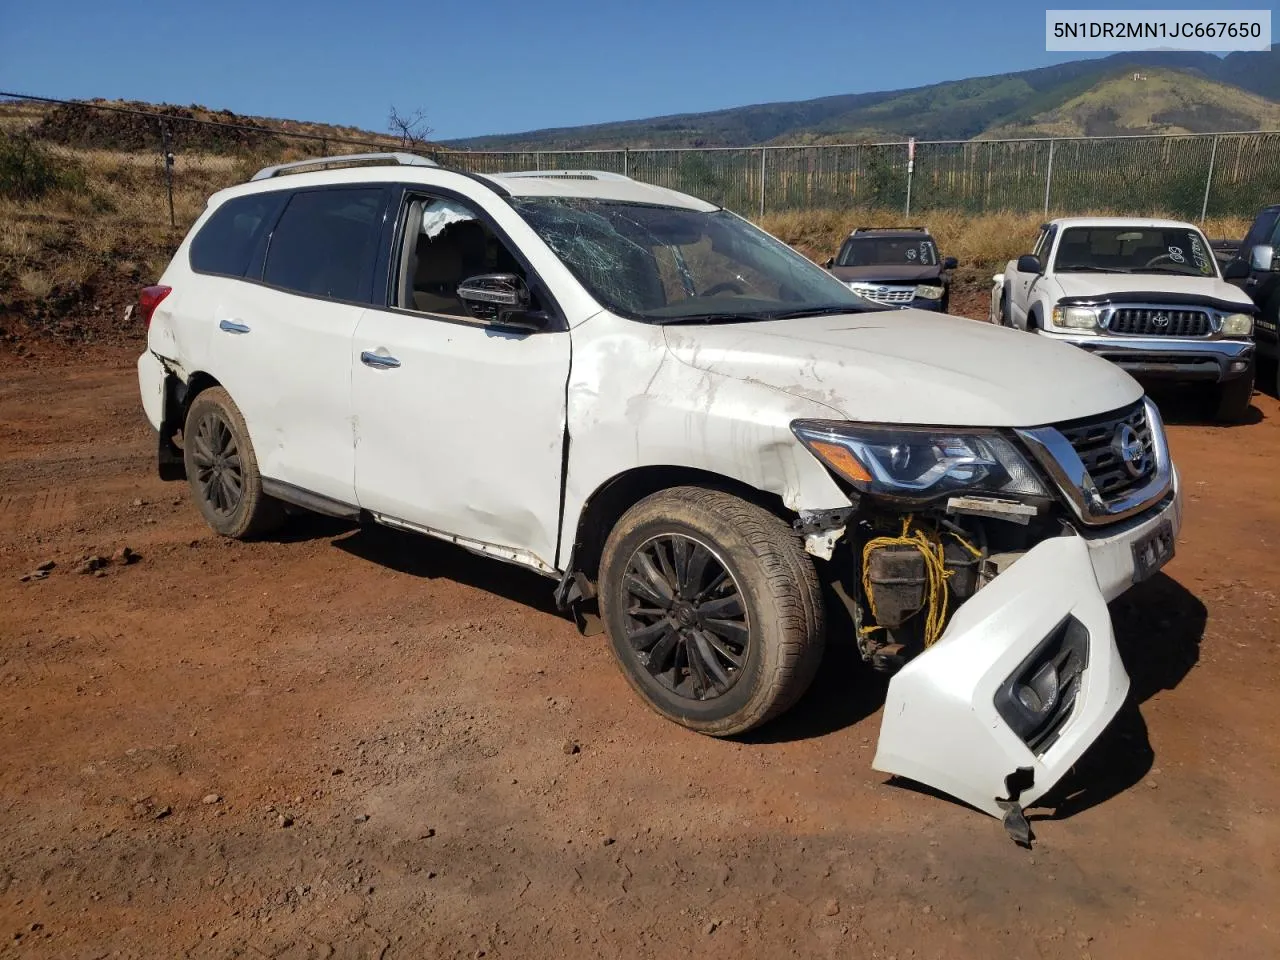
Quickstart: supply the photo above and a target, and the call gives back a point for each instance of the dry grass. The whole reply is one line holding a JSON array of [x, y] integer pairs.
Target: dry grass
[[86, 246], [981, 242]]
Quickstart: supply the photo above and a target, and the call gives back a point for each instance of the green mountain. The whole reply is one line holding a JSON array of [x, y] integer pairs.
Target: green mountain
[[955, 110], [1147, 101]]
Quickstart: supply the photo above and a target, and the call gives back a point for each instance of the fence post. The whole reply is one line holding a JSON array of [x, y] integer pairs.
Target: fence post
[[762, 150], [626, 161], [911, 167], [1048, 179], [166, 154], [1208, 181]]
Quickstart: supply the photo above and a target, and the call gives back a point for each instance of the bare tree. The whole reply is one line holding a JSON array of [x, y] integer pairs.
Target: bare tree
[[411, 128]]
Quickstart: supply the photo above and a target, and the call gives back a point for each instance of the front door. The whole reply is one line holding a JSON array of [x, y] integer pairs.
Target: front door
[[460, 425]]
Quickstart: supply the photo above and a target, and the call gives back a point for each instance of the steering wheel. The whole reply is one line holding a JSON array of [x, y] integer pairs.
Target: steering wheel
[[727, 286], [1164, 256]]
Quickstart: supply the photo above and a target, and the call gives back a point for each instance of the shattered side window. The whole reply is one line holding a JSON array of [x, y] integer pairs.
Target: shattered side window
[[668, 263]]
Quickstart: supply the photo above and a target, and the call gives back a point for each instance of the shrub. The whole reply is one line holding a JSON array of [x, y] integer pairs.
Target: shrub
[[28, 171]]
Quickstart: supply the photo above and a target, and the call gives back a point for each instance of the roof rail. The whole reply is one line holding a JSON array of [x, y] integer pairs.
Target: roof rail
[[890, 230], [565, 174], [403, 159]]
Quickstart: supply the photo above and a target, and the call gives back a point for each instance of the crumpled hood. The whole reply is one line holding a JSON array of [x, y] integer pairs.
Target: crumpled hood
[[911, 367], [1100, 286]]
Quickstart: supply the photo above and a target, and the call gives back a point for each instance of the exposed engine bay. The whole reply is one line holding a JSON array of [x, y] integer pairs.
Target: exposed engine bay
[[901, 575]]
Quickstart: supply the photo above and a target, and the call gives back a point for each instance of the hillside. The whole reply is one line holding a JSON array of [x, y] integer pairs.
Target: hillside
[[130, 126], [957, 110], [1159, 101]]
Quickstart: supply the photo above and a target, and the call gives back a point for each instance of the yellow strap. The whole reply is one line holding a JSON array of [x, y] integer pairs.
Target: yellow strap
[[929, 544]]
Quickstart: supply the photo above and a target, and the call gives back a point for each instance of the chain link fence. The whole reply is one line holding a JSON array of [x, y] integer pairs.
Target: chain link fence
[[162, 166]]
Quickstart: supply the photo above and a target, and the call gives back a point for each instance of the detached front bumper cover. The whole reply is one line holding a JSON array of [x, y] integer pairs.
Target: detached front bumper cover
[[1033, 649]]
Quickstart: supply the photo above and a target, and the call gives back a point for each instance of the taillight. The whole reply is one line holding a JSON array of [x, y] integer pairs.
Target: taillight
[[149, 299]]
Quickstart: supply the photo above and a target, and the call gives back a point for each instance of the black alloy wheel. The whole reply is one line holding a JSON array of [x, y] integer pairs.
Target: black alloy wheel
[[685, 617], [219, 475]]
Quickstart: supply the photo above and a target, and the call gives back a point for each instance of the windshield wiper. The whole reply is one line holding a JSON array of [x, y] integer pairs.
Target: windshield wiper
[[815, 312], [713, 318], [1077, 268], [1166, 268]]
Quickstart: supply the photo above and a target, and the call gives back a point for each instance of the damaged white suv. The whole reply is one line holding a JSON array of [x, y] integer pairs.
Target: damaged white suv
[[681, 419]]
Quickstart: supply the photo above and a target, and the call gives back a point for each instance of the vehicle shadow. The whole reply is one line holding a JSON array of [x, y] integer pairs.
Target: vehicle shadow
[[844, 692], [1159, 626], [431, 559], [1194, 409]]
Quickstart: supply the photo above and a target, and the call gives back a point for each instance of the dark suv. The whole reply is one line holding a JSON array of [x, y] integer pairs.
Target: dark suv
[[895, 266]]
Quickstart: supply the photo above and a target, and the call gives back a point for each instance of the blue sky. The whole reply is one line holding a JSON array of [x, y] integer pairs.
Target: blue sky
[[476, 67]]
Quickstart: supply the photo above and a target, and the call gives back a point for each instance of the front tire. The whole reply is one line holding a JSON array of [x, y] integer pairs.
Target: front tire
[[713, 609], [222, 469], [1231, 399]]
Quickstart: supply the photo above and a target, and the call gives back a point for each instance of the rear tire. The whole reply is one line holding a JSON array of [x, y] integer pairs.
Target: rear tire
[[222, 469], [713, 609], [1231, 399]]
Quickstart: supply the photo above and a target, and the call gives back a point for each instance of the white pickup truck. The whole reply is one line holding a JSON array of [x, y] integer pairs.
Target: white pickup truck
[[1145, 294]]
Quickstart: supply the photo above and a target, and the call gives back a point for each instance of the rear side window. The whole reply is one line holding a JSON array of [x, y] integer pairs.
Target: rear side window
[[226, 243], [326, 243]]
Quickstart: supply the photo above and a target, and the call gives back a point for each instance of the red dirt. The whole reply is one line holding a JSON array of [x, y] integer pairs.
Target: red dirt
[[338, 674]]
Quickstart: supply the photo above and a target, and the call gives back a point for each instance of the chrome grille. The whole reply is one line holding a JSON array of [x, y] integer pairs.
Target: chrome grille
[[884, 294], [1159, 322], [1093, 441]]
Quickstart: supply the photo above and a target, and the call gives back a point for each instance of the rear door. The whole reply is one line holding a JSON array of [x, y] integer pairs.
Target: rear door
[[281, 344]]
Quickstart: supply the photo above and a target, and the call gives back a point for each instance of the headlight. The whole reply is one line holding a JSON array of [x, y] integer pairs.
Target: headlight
[[1080, 318], [926, 292], [916, 465], [1237, 325]]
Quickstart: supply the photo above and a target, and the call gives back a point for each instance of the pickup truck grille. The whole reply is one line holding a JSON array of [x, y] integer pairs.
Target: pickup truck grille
[[1159, 322], [1095, 442]]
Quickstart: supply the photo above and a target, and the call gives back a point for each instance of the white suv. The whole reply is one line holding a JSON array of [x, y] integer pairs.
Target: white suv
[[682, 420]]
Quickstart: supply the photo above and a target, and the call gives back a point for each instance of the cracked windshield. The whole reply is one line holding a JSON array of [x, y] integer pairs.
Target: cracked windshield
[[673, 265]]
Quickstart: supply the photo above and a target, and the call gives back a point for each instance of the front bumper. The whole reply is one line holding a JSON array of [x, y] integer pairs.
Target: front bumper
[[941, 725], [1111, 548], [1167, 357]]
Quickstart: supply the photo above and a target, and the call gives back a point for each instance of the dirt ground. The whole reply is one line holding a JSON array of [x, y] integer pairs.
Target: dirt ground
[[356, 743]]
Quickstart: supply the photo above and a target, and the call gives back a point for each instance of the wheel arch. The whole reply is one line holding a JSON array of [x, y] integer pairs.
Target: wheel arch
[[178, 395], [1035, 317], [611, 499]]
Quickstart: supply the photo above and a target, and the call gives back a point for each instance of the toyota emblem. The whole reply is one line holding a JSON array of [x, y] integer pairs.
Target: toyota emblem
[[1127, 446], [1160, 319]]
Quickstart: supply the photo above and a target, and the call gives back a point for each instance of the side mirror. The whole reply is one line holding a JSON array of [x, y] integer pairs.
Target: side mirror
[[1235, 269], [950, 263], [1029, 263], [501, 299], [831, 262], [1263, 258]]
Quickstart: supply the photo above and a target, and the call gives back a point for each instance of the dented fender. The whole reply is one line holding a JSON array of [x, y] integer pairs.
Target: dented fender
[[941, 725], [632, 404]]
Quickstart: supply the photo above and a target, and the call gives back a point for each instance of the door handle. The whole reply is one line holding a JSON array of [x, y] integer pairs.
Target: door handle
[[378, 360], [233, 326]]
